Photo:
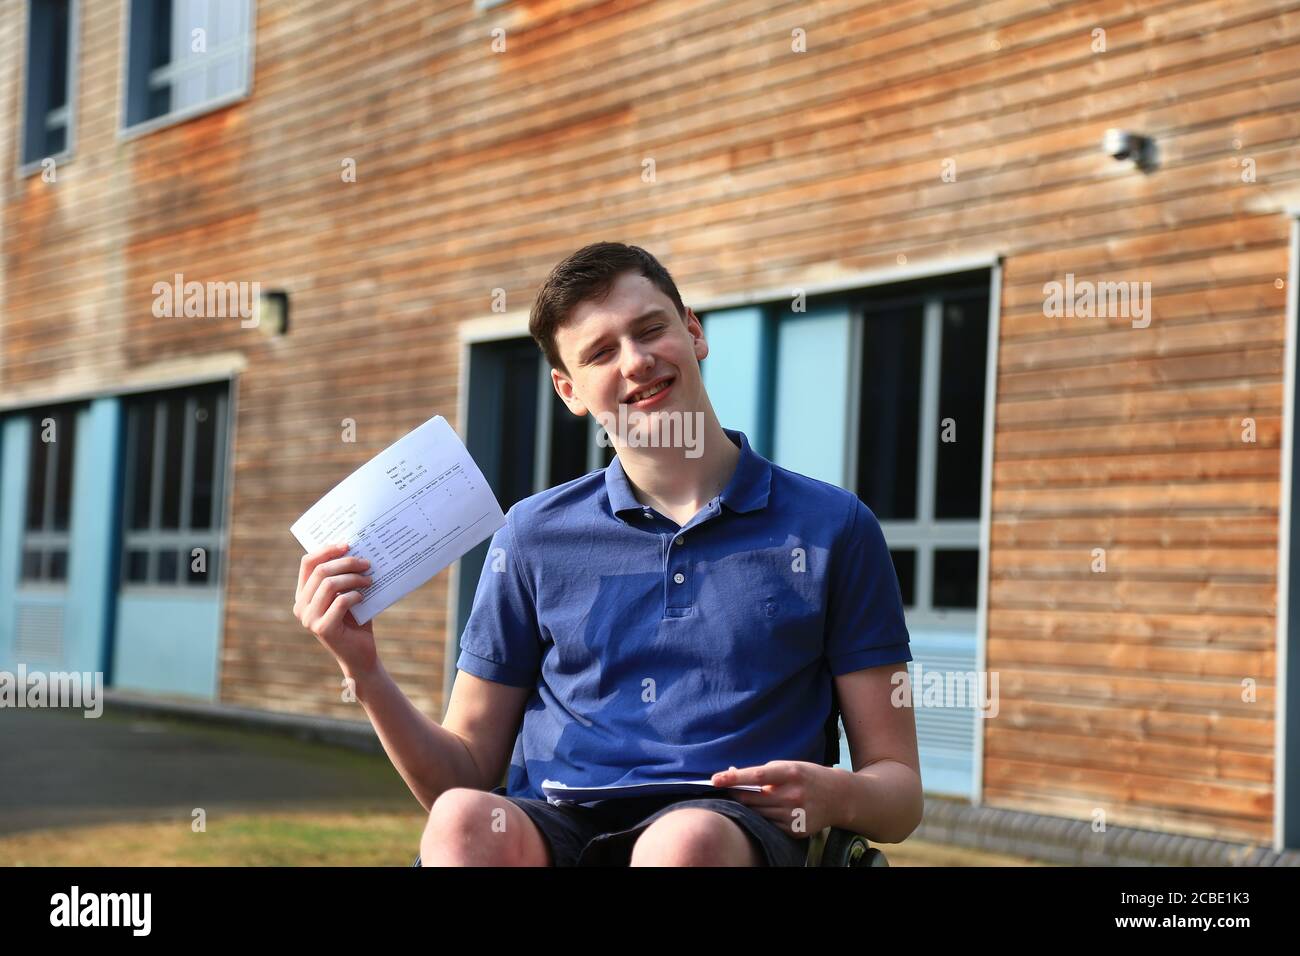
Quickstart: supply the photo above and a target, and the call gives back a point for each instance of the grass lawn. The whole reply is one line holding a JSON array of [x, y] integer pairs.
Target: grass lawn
[[262, 839], [312, 839]]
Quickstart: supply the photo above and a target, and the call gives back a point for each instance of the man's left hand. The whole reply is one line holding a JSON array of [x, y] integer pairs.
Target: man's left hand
[[797, 796]]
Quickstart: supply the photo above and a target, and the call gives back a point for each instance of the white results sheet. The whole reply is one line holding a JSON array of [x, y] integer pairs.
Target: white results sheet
[[411, 511]]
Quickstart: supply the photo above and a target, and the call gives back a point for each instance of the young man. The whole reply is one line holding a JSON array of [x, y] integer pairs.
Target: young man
[[681, 614]]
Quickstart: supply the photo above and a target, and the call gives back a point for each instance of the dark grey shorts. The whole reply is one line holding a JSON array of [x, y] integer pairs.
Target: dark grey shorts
[[602, 834]]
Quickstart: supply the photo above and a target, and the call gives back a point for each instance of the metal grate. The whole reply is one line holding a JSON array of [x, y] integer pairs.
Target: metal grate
[[39, 639]]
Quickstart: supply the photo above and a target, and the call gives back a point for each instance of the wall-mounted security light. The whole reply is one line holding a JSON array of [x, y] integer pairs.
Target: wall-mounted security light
[[1127, 146], [273, 313]]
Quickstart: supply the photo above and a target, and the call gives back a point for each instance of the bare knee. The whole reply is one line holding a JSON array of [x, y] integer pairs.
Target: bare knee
[[468, 827], [694, 836]]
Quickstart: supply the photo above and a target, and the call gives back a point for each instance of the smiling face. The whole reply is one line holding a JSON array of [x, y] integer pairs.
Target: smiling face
[[627, 344]]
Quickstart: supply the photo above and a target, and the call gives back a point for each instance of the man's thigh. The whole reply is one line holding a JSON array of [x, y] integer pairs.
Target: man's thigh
[[695, 836], [771, 845], [468, 827], [564, 829]]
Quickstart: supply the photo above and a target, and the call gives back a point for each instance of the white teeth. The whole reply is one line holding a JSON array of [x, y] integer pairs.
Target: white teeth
[[642, 396]]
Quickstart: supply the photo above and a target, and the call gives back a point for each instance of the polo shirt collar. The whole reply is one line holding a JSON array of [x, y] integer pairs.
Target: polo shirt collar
[[747, 491]]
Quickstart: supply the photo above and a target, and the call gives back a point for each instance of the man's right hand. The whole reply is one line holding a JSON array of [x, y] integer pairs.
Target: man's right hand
[[327, 590]]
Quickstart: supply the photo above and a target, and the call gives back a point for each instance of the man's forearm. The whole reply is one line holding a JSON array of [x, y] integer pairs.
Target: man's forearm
[[430, 758], [882, 801]]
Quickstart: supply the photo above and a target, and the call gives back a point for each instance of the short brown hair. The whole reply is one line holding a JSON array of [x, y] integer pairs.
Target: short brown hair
[[590, 273]]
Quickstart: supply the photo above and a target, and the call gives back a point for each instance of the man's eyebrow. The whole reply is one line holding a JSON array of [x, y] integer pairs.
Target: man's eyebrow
[[656, 312]]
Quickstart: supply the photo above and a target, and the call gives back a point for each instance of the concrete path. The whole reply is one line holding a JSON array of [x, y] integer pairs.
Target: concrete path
[[59, 769]]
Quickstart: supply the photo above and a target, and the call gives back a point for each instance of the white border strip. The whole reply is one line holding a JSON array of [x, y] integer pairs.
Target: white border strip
[[506, 326], [871, 277], [228, 527], [515, 323], [470, 332], [177, 374], [1284, 518], [986, 513]]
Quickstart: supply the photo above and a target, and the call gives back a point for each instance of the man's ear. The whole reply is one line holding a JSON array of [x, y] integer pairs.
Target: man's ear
[[564, 388], [701, 346]]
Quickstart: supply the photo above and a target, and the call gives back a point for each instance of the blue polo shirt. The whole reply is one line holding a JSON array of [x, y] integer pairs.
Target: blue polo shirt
[[661, 652]]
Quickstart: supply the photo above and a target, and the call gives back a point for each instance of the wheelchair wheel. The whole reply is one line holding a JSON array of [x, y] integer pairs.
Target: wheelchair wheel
[[850, 849]]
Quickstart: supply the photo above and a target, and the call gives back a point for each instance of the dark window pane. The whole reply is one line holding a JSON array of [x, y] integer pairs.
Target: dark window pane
[[518, 422], [36, 471], [58, 565], [137, 566], [31, 564], [56, 140], [172, 451], [569, 444], [167, 566], [890, 413], [58, 57], [160, 101], [961, 408], [956, 579], [205, 436], [140, 422], [46, 82], [905, 568], [160, 36], [208, 574], [66, 436]]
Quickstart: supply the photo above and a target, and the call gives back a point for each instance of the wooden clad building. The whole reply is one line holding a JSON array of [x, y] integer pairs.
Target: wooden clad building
[[1062, 379]]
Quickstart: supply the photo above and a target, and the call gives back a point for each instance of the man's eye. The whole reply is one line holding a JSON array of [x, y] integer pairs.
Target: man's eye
[[652, 330]]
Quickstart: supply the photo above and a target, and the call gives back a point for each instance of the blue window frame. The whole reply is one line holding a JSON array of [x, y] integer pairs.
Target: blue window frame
[[50, 82], [185, 57], [173, 489], [47, 523]]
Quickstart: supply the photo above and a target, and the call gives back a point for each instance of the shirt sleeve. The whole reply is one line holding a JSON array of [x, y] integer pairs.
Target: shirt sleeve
[[501, 640], [864, 622]]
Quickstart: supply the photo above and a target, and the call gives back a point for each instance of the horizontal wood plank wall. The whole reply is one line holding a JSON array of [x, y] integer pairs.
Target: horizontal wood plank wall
[[477, 171], [1122, 690]]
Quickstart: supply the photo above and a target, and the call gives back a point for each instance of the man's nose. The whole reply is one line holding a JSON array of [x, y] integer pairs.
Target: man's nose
[[636, 359]]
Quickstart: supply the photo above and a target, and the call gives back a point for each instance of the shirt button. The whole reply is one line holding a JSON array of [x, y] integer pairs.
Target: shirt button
[[681, 539], [679, 577], [647, 514]]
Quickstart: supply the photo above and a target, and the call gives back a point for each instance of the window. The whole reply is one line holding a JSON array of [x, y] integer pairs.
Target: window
[[53, 449], [921, 439], [522, 436], [47, 123], [879, 390], [172, 494], [186, 56]]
